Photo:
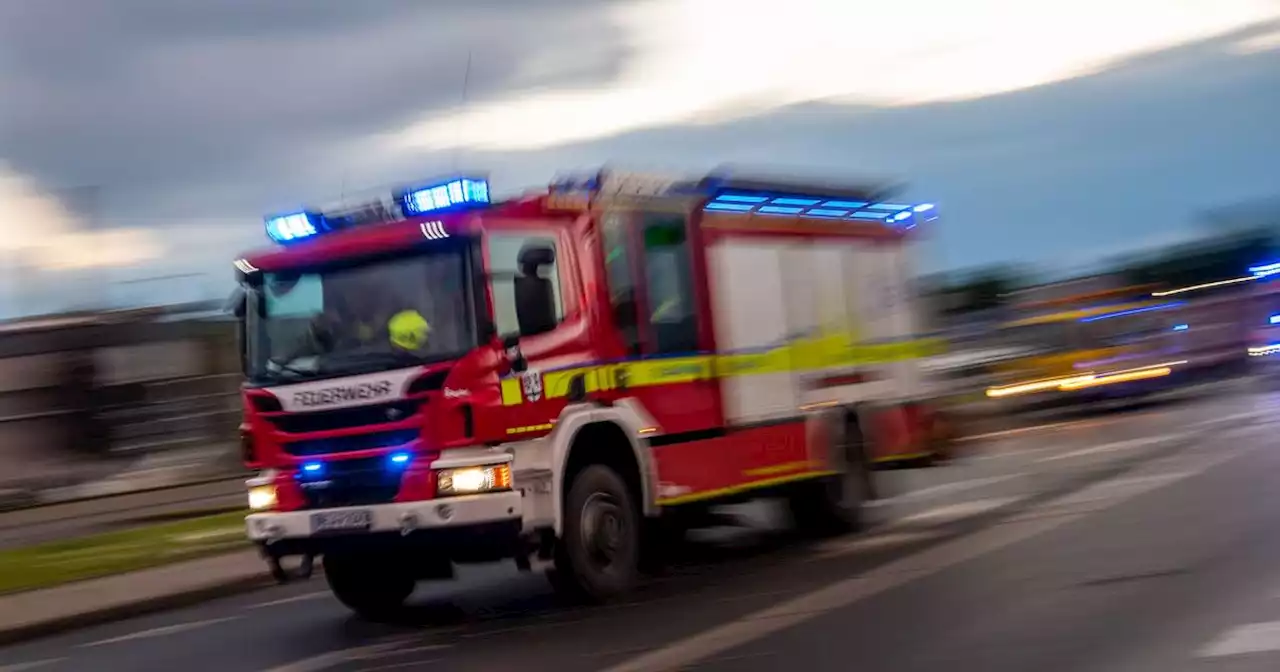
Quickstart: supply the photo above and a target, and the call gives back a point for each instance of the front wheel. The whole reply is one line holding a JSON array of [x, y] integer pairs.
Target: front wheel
[[374, 587], [598, 555]]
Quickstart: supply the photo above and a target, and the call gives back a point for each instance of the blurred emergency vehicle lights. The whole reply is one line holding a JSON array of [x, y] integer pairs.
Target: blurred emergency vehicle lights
[[294, 226], [818, 206], [1274, 319], [451, 195], [1265, 270]]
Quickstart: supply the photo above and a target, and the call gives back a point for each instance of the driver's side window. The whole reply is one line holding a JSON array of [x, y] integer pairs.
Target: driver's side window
[[505, 269]]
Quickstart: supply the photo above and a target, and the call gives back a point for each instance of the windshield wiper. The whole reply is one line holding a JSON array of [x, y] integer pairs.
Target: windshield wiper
[[287, 366]]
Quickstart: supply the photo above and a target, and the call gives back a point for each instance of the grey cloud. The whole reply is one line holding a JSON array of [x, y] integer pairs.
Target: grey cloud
[[145, 96]]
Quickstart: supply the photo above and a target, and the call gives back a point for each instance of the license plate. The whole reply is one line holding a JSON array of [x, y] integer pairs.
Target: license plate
[[341, 521]]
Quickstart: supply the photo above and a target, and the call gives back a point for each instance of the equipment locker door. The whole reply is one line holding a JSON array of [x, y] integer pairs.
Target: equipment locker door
[[670, 373]]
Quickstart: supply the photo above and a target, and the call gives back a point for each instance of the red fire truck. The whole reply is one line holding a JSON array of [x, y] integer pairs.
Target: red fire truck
[[440, 378]]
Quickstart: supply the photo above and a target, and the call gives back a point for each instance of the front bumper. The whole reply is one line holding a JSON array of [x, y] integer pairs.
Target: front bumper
[[473, 525]]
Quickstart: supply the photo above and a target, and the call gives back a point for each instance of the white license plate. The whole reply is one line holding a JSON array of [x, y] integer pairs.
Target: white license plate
[[341, 521]]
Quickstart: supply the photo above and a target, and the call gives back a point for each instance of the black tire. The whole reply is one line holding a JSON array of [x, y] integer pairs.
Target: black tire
[[373, 586], [834, 505], [598, 555]]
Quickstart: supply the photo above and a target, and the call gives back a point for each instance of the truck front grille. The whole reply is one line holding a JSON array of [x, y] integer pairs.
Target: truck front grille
[[359, 482], [345, 418], [348, 444]]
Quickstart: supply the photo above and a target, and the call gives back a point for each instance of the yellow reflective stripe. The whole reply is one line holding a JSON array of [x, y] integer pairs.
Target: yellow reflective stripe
[[668, 371], [746, 487], [511, 393], [530, 428], [802, 355]]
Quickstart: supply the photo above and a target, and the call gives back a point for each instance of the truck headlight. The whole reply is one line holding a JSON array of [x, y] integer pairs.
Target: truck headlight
[[472, 480], [262, 497]]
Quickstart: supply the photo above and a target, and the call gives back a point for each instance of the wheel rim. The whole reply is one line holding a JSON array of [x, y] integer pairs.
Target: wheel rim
[[603, 530]]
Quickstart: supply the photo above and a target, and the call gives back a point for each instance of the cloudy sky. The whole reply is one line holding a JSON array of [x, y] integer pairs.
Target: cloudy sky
[[141, 140]]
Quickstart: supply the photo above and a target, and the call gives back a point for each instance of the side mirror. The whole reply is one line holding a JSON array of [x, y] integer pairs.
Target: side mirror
[[534, 256], [535, 296], [237, 305], [515, 358], [487, 331]]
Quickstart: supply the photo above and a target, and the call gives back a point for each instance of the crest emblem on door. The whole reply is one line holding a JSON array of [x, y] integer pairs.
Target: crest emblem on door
[[531, 382]]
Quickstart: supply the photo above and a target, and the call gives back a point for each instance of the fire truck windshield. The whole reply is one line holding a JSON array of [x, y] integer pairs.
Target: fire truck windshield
[[360, 317]]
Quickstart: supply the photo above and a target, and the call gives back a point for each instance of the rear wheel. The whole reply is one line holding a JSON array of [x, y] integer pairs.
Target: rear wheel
[[833, 505], [374, 586], [598, 555]]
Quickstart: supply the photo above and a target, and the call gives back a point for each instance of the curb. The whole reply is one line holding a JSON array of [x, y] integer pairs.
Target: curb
[[175, 600], [24, 506]]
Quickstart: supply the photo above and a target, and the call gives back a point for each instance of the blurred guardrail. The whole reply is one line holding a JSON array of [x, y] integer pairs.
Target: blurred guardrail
[[90, 400]]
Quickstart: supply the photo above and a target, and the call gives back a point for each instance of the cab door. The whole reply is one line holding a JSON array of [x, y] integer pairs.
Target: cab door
[[653, 281]]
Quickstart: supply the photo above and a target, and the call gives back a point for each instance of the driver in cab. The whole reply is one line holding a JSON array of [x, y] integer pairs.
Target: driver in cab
[[367, 321]]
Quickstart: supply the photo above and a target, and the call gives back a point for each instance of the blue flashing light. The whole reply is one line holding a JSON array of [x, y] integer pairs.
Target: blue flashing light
[[1265, 270], [1274, 319], [731, 207], [313, 468], [1180, 327], [739, 198], [1132, 311], [399, 459], [452, 195], [294, 226], [807, 205]]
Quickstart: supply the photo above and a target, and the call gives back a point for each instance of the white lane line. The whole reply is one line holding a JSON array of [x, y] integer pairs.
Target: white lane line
[[879, 541], [21, 667], [332, 659], [392, 653], [948, 488], [709, 643], [1018, 431], [1111, 447], [160, 632], [1251, 638], [290, 600], [414, 665], [955, 512]]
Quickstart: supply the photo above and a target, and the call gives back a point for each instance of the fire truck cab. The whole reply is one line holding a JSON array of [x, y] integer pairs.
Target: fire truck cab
[[440, 378]]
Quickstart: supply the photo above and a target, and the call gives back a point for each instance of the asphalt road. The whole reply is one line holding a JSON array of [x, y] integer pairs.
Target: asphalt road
[[1125, 542]]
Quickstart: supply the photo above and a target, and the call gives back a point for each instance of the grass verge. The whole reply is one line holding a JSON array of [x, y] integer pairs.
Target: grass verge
[[64, 561]]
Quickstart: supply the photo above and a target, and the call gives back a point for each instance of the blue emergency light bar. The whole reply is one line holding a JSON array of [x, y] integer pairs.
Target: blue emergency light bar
[[459, 193], [794, 205], [455, 194], [295, 226]]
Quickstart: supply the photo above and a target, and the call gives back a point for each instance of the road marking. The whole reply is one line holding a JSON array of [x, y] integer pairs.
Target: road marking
[[945, 488], [415, 664], [290, 600], [1113, 446], [20, 667], [325, 661], [1252, 638], [160, 632], [879, 541], [1016, 431], [955, 512], [683, 653], [392, 653]]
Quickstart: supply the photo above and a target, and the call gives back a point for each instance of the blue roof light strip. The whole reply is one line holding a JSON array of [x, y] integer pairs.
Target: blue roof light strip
[[896, 214]]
